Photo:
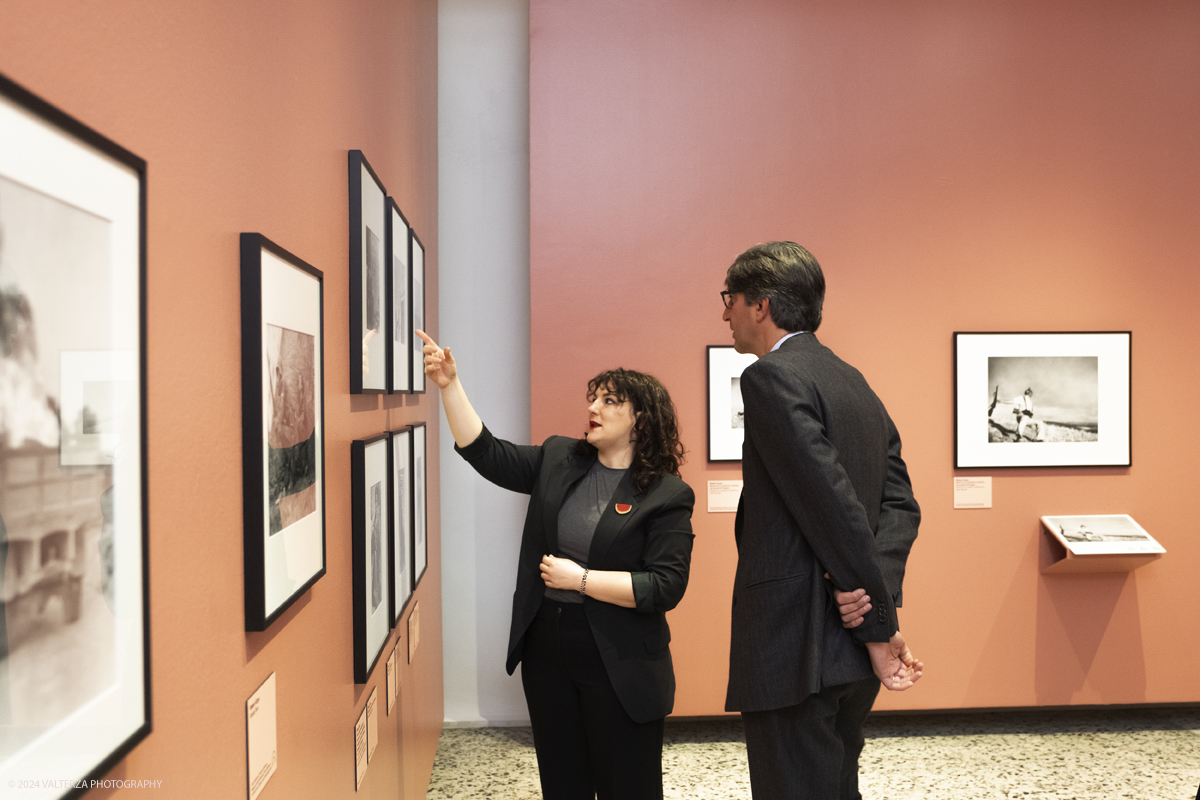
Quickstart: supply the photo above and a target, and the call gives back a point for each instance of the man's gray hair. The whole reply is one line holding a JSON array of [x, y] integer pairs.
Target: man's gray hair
[[786, 274]]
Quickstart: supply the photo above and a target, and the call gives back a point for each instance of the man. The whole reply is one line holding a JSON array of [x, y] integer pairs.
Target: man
[[825, 494], [1023, 411]]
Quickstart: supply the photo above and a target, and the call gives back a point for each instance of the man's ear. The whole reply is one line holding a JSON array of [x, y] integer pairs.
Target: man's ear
[[762, 309]]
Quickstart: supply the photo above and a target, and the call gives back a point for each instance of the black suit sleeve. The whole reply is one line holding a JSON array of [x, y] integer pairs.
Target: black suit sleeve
[[510, 466], [804, 466], [667, 556], [899, 517]]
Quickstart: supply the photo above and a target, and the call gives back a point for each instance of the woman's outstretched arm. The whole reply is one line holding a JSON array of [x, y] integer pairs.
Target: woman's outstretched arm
[[440, 367]]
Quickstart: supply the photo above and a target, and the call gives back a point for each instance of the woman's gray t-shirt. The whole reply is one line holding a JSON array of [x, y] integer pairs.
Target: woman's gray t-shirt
[[577, 519]]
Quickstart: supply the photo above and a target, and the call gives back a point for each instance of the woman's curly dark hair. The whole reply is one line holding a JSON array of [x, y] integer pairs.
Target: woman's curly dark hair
[[656, 447]]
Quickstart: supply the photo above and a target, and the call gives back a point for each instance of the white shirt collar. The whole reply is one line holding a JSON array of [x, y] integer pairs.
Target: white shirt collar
[[784, 338]]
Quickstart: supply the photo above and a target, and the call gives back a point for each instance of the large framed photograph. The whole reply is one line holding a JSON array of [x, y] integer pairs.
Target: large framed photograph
[[726, 419], [399, 373], [400, 522], [368, 232], [417, 295], [74, 577], [420, 529], [1042, 399], [369, 479], [283, 428]]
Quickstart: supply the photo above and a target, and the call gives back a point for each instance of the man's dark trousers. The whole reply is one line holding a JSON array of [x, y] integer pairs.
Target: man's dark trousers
[[810, 751]]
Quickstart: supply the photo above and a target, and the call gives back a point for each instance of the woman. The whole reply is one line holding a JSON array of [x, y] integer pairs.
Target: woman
[[604, 554]]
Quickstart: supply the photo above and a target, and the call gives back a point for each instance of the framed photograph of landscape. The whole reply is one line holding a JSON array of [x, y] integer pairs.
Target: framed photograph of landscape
[[417, 295], [283, 428], [726, 425], [400, 349], [400, 522], [370, 491], [74, 574], [420, 539], [1044, 399], [368, 304]]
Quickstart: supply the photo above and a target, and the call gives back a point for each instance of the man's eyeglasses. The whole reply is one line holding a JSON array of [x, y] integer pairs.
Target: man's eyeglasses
[[727, 298]]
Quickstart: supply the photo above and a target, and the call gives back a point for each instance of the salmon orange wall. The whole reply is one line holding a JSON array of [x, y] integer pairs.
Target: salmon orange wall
[[1005, 166], [244, 112]]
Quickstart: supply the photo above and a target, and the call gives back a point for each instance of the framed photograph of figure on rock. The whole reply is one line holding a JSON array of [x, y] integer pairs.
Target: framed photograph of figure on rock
[[400, 329], [420, 539], [1042, 399], [400, 521], [368, 304], [283, 428], [370, 491], [74, 574]]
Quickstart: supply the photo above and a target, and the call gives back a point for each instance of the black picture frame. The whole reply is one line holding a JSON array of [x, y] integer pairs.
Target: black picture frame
[[420, 506], [400, 522], [416, 293], [370, 487], [58, 169], [723, 367], [399, 310], [1052, 399], [283, 399], [368, 303]]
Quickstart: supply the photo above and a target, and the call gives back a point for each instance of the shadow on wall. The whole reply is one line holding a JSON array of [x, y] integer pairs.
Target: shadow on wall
[[1076, 614], [1085, 638]]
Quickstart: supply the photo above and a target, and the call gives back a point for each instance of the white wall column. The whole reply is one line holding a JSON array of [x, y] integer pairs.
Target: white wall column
[[483, 274]]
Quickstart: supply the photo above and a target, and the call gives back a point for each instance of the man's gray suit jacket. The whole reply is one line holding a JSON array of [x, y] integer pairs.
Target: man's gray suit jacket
[[825, 490]]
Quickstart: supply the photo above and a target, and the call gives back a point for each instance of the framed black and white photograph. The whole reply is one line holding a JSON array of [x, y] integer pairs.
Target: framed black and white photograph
[[1102, 534], [400, 349], [400, 525], [417, 295], [420, 539], [368, 305], [1042, 399], [370, 495], [74, 577], [726, 423], [283, 428]]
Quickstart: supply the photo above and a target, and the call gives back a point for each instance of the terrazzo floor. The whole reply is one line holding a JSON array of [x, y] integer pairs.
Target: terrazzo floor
[[1141, 754]]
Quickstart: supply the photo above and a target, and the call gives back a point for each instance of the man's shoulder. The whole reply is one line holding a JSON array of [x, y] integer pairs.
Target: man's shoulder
[[799, 358], [804, 364]]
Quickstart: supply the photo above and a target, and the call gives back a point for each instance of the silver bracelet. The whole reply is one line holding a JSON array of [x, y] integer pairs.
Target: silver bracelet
[[583, 583]]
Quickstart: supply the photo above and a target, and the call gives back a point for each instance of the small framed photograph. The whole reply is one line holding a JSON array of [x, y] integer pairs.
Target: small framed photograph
[[370, 491], [400, 508], [1042, 399], [417, 294], [400, 349], [1102, 534], [74, 527], [283, 428], [368, 232], [420, 541], [726, 420]]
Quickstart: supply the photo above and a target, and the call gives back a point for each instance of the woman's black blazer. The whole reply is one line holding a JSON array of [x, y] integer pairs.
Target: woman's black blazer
[[652, 541]]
